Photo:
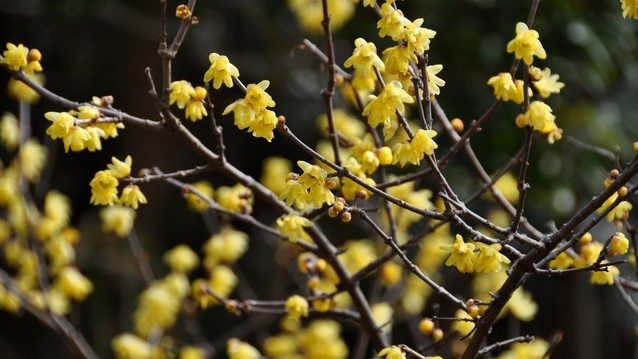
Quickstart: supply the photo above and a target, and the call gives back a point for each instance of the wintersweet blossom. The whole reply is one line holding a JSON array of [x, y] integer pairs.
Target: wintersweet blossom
[[195, 109], [117, 219], [181, 259], [604, 276], [382, 109], [104, 188], [220, 71], [62, 123], [489, 258], [364, 57], [629, 9], [73, 284], [392, 22], [132, 196], [461, 255], [33, 158], [393, 352], [237, 349], [120, 169], [417, 37], [548, 83], [504, 88], [251, 111], [130, 346], [618, 213], [434, 82], [539, 116], [315, 180], [619, 244], [9, 131], [15, 57], [397, 59], [292, 226], [226, 246], [181, 92], [197, 203], [297, 307], [526, 44]]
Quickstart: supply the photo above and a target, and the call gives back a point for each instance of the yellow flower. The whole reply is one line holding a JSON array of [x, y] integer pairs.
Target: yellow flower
[[257, 97], [295, 194], [521, 305], [309, 13], [462, 255], [227, 246], [382, 109], [236, 349], [264, 124], [157, 308], [423, 143], [117, 219], [195, 109], [314, 179], [537, 348], [273, 173], [417, 37], [382, 314], [397, 59], [539, 116], [33, 158], [619, 213], [130, 346], [434, 82], [120, 169], [463, 327], [192, 353], [94, 143], [292, 227], [9, 131], [619, 244], [364, 57], [76, 139], [629, 9], [132, 196], [62, 123], [15, 57], [57, 208], [73, 284], [392, 22], [222, 280], [297, 307], [195, 202], [604, 277], [562, 261], [220, 71], [237, 198], [104, 188], [489, 258], [548, 84], [504, 88], [526, 44], [181, 92], [181, 259], [393, 352], [20, 91]]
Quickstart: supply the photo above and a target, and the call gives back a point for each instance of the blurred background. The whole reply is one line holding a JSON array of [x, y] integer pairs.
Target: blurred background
[[101, 47]]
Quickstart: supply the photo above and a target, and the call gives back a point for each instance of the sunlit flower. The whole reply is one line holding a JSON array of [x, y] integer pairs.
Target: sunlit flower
[[220, 71]]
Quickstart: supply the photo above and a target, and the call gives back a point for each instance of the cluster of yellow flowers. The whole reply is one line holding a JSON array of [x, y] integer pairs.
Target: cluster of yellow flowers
[[189, 98], [526, 45], [20, 58], [320, 339], [237, 198]]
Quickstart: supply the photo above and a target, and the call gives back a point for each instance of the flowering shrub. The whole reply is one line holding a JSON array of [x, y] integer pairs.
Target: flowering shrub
[[389, 235]]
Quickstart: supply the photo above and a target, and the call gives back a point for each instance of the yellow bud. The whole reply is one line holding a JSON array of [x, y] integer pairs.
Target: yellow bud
[[362, 194], [458, 125], [622, 191], [281, 120], [535, 73], [426, 326], [306, 262], [333, 212], [437, 334], [608, 182], [338, 79], [384, 154], [34, 55], [473, 311], [314, 282], [338, 205], [321, 265], [182, 11], [585, 239], [614, 173], [635, 146], [332, 182], [346, 217], [520, 121]]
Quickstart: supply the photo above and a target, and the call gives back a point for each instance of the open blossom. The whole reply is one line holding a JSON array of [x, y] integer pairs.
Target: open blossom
[[297, 307], [392, 22], [220, 71], [62, 123], [181, 92], [489, 258], [195, 109], [548, 84], [629, 9], [120, 169], [504, 88], [104, 188], [292, 226], [364, 57], [539, 115], [462, 255], [251, 111], [382, 109], [132, 196], [117, 219], [417, 37], [526, 44], [15, 57], [434, 82]]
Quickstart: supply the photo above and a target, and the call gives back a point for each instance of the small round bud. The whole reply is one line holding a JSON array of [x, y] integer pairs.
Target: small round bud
[[535, 73], [346, 217], [362, 194], [182, 11], [614, 173], [474, 311], [232, 306], [107, 101], [321, 265], [384, 154], [457, 124], [333, 212], [339, 205], [437, 334], [623, 191], [332, 182], [635, 146], [520, 121], [281, 120], [34, 55], [426, 326], [338, 79], [585, 239], [470, 303]]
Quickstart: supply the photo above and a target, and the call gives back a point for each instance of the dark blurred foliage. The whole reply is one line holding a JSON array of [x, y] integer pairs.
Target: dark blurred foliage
[[101, 47]]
